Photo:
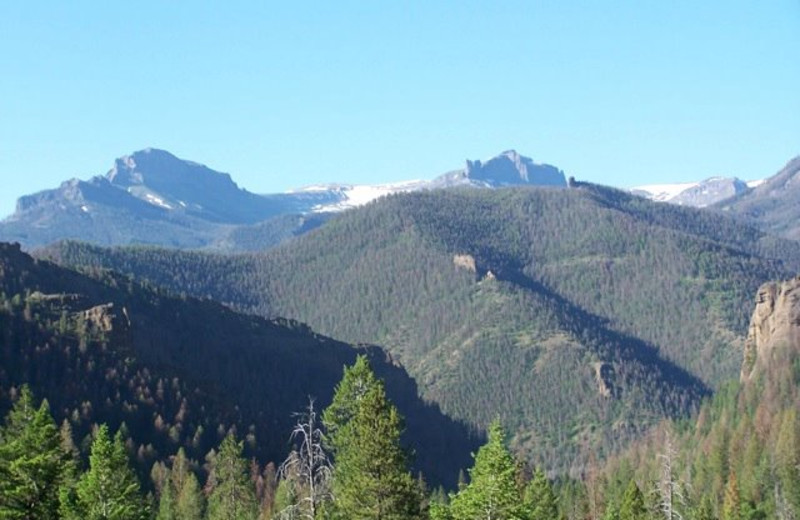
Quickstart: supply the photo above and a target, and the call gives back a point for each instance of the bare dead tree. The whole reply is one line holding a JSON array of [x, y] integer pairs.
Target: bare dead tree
[[669, 489], [311, 465]]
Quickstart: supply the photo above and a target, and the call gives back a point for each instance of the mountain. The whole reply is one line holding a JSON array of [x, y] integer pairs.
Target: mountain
[[741, 454], [181, 371], [773, 205], [149, 197], [696, 194], [580, 316], [153, 197], [507, 169]]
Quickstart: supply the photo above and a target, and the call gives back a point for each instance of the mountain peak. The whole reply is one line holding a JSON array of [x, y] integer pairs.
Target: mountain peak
[[511, 168], [152, 163]]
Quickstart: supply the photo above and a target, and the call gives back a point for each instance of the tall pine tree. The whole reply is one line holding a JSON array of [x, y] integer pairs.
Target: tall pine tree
[[540, 498], [492, 493], [233, 494], [371, 480], [32, 462], [109, 490]]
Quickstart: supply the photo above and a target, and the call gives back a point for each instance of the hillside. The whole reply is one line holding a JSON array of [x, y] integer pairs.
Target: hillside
[[180, 371], [773, 205], [740, 458], [581, 316]]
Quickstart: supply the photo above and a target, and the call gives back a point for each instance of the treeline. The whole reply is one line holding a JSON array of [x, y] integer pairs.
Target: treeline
[[357, 468]]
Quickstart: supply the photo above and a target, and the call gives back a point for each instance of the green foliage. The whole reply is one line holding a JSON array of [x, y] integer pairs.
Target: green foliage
[[32, 462], [232, 495], [540, 499], [492, 492], [180, 495], [109, 490], [633, 505], [175, 371], [357, 380], [371, 479], [555, 328]]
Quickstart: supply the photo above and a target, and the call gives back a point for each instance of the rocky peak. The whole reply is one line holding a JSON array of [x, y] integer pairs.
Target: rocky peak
[[510, 168], [159, 169], [774, 328]]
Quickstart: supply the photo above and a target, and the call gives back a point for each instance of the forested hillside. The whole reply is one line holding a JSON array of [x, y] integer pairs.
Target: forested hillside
[[740, 457], [580, 317], [180, 372]]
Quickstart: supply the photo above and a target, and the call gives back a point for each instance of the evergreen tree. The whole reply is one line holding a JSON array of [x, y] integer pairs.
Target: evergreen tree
[[166, 503], [633, 506], [788, 460], [370, 477], [439, 511], [492, 493], [32, 462], [540, 498], [611, 512], [705, 511], [190, 503], [109, 490], [187, 498], [356, 381], [731, 506], [233, 495]]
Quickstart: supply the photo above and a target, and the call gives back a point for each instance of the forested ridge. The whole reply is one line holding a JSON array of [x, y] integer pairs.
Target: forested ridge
[[738, 459], [180, 372], [580, 316]]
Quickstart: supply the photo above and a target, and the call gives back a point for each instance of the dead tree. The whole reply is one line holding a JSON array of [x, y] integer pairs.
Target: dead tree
[[669, 489], [311, 465]]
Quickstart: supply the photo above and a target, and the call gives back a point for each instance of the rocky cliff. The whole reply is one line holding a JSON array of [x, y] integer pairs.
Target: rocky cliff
[[774, 334]]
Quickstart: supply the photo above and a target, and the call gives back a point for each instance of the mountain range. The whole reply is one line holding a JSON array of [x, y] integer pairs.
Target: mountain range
[[152, 197], [580, 316]]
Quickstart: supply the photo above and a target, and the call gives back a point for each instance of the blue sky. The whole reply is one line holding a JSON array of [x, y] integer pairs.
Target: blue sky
[[284, 95]]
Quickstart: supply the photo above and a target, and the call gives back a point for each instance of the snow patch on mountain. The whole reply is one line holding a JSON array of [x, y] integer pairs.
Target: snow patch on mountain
[[662, 192]]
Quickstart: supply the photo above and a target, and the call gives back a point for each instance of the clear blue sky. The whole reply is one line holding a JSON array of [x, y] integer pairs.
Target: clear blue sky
[[279, 95]]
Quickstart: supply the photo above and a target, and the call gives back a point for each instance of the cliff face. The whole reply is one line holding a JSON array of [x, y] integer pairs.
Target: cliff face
[[774, 328]]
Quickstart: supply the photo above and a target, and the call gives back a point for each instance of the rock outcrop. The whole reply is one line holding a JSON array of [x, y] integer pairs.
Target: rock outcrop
[[774, 328]]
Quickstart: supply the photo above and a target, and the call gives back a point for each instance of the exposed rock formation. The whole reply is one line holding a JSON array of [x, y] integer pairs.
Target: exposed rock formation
[[774, 327], [465, 262]]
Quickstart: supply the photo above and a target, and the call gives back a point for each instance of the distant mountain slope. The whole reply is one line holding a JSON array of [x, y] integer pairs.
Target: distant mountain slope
[[180, 372], [149, 197], [152, 197], [696, 194], [774, 205], [582, 315]]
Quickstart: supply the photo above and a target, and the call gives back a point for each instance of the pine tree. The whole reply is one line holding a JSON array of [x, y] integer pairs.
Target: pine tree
[[190, 503], [540, 498], [355, 383], [188, 498], [166, 503], [731, 506], [32, 462], [633, 506], [787, 451], [109, 490], [492, 493], [705, 511], [233, 494], [370, 477]]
